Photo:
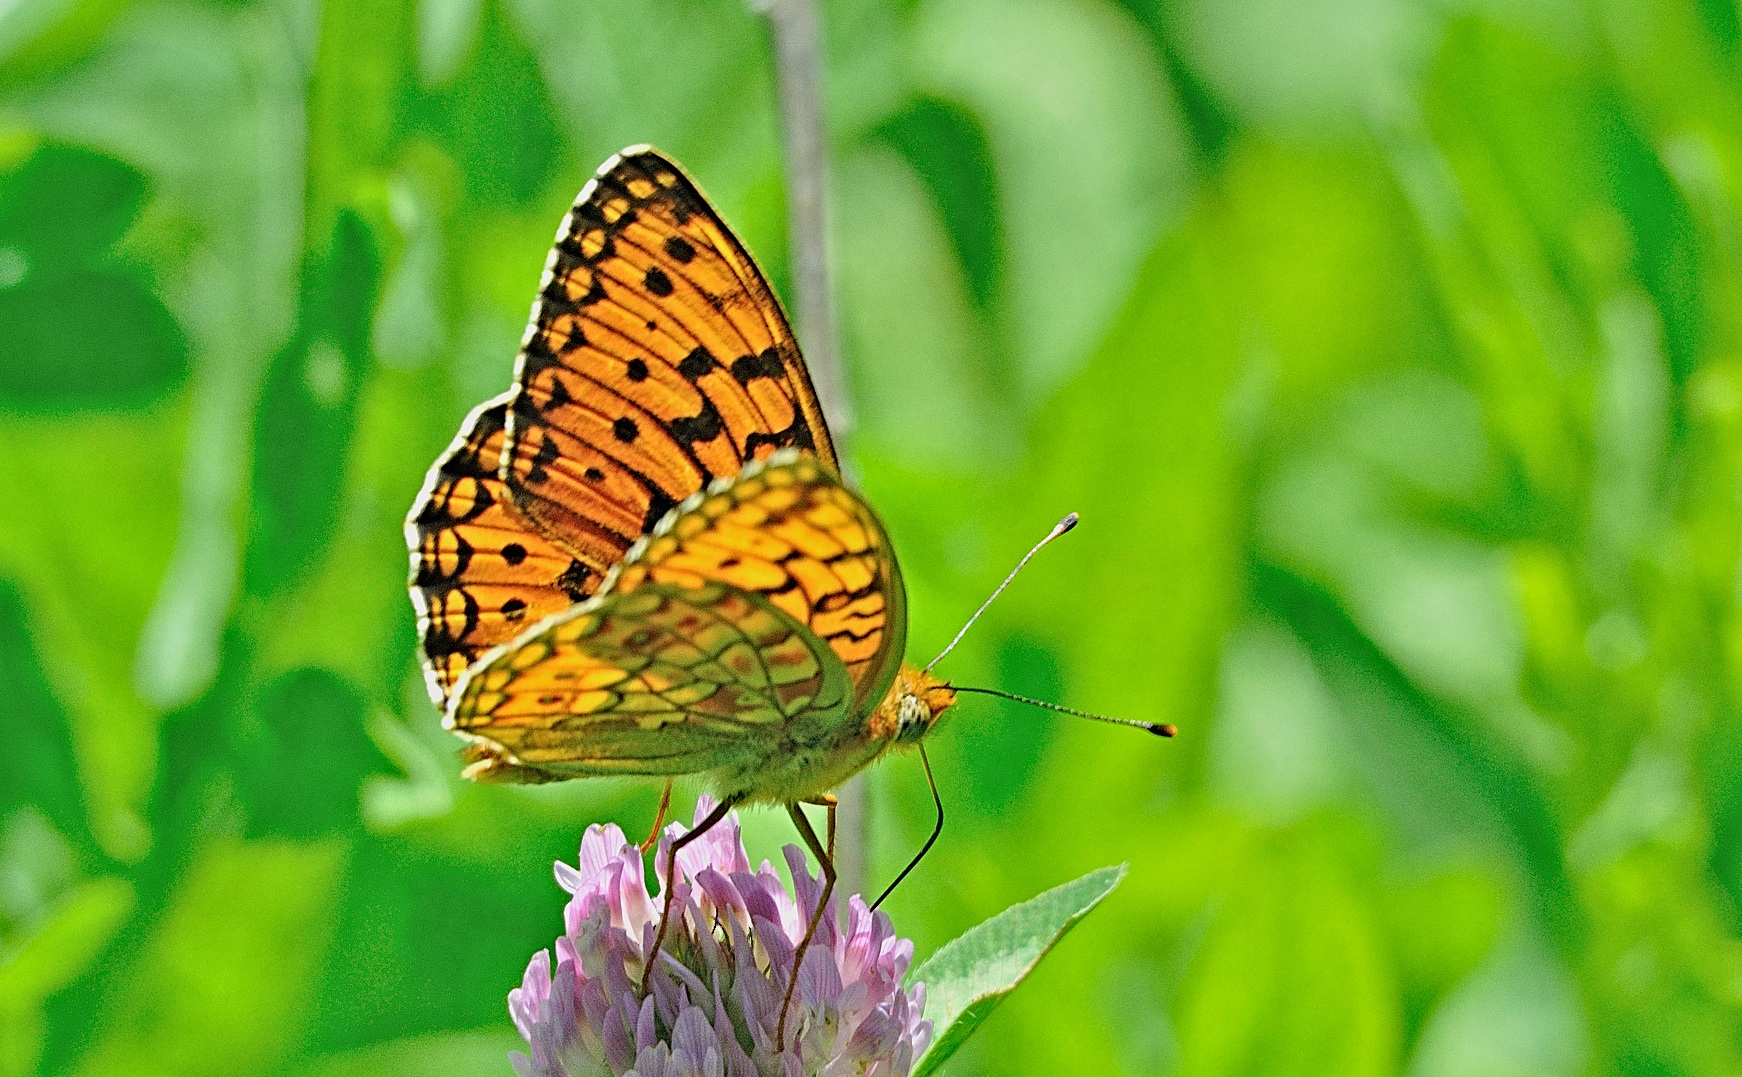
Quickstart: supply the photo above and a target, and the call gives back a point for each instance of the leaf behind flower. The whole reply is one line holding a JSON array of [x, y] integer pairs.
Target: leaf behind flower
[[970, 975]]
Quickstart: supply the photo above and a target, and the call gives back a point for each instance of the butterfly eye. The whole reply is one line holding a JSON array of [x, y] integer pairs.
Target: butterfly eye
[[914, 718]]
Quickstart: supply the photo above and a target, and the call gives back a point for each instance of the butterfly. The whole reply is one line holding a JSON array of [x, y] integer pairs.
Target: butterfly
[[642, 560]]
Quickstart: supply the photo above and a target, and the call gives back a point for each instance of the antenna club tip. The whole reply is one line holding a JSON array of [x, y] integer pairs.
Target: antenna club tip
[[1164, 729], [1067, 523]]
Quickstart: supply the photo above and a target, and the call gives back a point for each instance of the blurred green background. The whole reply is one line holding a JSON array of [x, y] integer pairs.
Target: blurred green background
[[1390, 351]]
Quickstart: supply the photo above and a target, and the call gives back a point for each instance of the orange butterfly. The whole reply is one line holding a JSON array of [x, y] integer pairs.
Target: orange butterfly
[[641, 560]]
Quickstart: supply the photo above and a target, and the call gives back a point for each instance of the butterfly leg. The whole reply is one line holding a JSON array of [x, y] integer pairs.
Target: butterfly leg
[[701, 828], [828, 801], [826, 861], [658, 818]]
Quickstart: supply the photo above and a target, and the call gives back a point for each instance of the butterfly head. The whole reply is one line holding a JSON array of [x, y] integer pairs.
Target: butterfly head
[[915, 704]]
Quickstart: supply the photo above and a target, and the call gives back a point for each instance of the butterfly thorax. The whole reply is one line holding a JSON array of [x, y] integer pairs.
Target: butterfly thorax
[[797, 770], [913, 707]]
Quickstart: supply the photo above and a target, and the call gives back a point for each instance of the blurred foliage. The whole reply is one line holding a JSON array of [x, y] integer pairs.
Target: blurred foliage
[[1392, 353]]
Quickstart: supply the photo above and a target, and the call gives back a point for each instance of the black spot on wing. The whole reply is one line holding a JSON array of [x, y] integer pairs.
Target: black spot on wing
[[598, 236], [438, 512], [747, 368], [705, 426], [429, 569], [555, 298], [559, 395], [592, 211], [679, 248], [698, 362], [438, 640], [541, 461], [797, 434]]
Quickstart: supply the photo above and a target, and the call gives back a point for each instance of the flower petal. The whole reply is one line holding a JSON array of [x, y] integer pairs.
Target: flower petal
[[819, 981]]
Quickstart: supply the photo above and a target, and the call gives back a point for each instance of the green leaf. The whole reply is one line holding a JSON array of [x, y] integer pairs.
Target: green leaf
[[310, 725], [60, 212], [52, 363], [308, 411], [946, 146], [66, 204], [967, 978]]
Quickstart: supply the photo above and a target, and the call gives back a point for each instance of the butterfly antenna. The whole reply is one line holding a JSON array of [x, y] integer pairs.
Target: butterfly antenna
[[1060, 528], [1160, 729]]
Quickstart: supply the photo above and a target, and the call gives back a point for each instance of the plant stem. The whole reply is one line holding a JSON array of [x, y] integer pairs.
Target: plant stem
[[796, 27], [798, 63]]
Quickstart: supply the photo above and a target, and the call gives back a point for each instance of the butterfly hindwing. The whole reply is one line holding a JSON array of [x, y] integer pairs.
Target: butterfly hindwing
[[663, 680], [788, 530], [480, 574], [657, 360]]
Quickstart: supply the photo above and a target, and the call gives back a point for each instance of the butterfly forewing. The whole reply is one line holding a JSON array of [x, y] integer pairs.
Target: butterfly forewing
[[657, 360], [789, 531], [661, 451], [480, 573], [664, 680]]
